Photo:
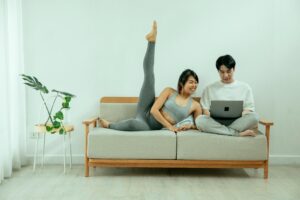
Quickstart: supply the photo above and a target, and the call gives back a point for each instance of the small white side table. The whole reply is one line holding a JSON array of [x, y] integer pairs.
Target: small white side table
[[41, 129]]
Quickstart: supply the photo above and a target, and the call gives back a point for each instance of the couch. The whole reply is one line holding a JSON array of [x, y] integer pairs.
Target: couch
[[165, 149]]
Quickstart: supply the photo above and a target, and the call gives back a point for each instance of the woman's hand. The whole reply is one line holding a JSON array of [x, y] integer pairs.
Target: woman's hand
[[186, 127], [173, 129]]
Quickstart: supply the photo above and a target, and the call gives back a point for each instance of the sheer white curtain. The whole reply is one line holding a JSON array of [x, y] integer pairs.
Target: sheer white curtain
[[12, 91]]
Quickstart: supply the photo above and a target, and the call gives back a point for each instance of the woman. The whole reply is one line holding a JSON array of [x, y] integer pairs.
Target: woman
[[170, 107]]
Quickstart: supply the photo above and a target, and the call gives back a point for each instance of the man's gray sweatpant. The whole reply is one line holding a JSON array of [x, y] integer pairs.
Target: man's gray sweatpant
[[207, 124]]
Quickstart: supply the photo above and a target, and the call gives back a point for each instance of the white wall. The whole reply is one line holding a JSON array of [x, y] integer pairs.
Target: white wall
[[95, 48]]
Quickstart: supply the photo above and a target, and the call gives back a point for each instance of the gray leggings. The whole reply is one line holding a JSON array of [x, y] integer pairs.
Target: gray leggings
[[143, 120]]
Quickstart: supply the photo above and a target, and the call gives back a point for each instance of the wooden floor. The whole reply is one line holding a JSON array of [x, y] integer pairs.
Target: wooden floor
[[184, 184]]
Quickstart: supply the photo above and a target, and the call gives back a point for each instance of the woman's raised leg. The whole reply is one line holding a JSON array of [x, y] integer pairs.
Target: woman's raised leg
[[147, 92]]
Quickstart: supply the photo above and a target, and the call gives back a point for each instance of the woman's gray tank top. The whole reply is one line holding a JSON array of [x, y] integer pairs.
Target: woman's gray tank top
[[177, 112]]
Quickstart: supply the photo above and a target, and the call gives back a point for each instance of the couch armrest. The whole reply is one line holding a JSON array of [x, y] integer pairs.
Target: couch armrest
[[267, 124], [87, 124], [93, 121]]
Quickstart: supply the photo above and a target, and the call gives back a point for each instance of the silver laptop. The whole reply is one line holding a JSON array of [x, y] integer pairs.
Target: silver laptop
[[225, 112]]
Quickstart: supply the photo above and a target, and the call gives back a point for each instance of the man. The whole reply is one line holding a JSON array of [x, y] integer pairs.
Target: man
[[228, 89]]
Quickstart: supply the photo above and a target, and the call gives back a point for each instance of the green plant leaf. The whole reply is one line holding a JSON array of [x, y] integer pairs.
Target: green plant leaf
[[45, 90], [30, 84], [56, 124], [68, 99], [61, 131], [65, 105], [37, 81], [59, 115], [26, 77], [34, 83], [64, 93], [49, 128]]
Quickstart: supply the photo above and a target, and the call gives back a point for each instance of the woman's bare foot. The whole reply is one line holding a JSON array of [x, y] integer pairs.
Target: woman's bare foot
[[104, 123], [151, 37], [248, 133]]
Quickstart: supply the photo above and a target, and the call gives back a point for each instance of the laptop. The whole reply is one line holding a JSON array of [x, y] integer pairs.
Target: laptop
[[225, 112]]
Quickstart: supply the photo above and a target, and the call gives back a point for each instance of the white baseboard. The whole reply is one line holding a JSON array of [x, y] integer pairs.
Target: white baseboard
[[57, 159], [79, 159], [284, 160]]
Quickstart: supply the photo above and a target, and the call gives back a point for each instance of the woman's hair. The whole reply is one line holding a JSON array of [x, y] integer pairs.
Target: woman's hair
[[184, 77]]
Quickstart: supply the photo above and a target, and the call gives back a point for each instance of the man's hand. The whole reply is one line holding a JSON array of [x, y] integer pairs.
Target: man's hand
[[206, 112], [245, 112]]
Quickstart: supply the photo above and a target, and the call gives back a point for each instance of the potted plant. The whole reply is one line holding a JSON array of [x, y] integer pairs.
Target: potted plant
[[54, 123]]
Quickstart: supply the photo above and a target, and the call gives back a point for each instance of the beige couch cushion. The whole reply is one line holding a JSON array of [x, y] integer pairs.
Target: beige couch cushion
[[113, 144], [195, 145]]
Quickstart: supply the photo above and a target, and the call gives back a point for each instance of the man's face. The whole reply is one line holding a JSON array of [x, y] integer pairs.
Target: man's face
[[226, 74]]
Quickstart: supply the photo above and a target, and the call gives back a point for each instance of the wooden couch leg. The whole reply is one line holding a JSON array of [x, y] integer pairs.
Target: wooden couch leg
[[266, 170], [87, 168]]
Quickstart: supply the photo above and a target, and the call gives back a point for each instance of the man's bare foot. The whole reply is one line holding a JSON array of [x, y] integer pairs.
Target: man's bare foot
[[255, 129], [104, 123], [151, 37], [248, 133]]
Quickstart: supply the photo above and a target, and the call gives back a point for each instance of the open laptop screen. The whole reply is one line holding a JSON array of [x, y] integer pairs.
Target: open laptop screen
[[226, 109]]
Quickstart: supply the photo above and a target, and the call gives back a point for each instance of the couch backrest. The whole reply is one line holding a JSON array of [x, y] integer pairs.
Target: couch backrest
[[119, 108]]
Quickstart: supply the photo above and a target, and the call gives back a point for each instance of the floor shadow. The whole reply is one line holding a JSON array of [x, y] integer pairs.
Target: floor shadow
[[178, 172]]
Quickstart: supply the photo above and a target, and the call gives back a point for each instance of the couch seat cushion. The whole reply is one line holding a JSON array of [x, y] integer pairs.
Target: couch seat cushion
[[196, 145], [113, 144]]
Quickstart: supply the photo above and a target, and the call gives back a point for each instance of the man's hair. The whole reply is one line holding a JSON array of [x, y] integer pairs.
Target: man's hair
[[226, 60]]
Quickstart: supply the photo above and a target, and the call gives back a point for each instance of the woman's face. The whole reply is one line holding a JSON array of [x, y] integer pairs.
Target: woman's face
[[190, 86]]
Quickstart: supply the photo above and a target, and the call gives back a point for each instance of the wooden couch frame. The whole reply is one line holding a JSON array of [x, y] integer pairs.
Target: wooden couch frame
[[90, 162]]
